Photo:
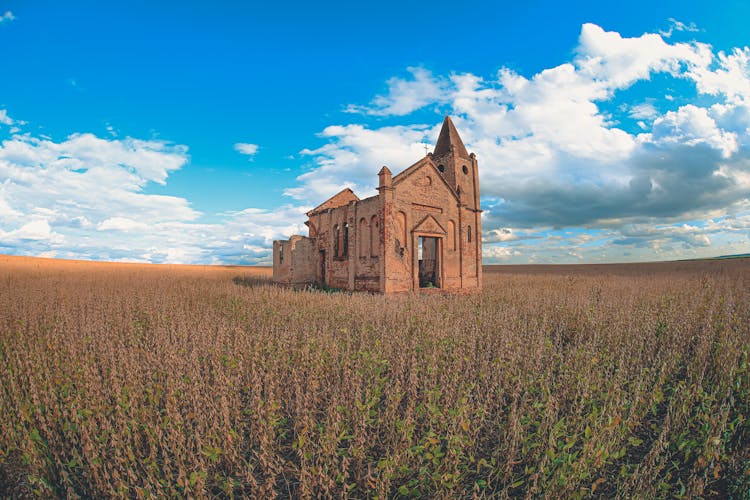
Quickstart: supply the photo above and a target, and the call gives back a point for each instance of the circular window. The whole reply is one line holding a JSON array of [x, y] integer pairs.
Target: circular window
[[441, 168], [465, 169]]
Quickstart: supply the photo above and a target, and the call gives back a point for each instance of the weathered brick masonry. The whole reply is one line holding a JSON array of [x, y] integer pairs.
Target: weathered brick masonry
[[422, 230]]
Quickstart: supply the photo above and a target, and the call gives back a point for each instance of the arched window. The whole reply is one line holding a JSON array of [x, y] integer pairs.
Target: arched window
[[345, 246], [374, 236], [336, 241], [441, 167], [469, 234], [363, 233], [465, 169]]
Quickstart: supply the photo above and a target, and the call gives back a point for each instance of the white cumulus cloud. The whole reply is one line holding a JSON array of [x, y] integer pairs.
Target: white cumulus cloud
[[406, 95], [246, 148], [4, 118]]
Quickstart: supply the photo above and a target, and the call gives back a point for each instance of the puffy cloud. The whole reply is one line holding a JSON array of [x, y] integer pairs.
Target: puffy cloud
[[729, 75], [121, 224], [84, 197], [246, 148], [354, 156], [405, 96], [501, 234], [7, 17], [4, 118], [691, 126], [88, 178], [494, 254], [34, 230], [615, 62], [659, 236], [643, 111]]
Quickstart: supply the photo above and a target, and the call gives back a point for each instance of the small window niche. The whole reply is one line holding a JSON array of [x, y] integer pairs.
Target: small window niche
[[345, 246]]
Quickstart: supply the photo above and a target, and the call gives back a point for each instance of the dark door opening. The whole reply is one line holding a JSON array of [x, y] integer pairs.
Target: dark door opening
[[322, 267], [429, 267]]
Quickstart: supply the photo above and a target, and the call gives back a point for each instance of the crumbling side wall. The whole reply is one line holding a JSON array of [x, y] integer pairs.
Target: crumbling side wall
[[282, 264], [304, 259], [294, 260]]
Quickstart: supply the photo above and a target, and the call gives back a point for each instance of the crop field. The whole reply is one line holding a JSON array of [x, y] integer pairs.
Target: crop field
[[125, 380]]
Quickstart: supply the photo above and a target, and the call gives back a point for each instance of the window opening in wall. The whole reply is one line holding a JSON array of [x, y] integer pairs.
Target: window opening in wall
[[441, 168], [469, 233], [374, 236], [363, 247], [465, 169], [427, 252], [335, 241], [346, 240], [281, 254], [323, 267]]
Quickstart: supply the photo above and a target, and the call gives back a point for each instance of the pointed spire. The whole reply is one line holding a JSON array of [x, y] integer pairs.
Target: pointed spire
[[449, 137]]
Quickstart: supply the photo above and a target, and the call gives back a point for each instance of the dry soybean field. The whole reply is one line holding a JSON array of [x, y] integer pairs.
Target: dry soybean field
[[123, 380]]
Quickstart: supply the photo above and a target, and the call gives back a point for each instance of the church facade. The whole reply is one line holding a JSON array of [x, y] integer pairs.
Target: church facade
[[423, 230]]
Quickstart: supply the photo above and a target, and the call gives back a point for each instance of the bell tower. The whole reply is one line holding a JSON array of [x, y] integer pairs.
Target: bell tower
[[458, 167]]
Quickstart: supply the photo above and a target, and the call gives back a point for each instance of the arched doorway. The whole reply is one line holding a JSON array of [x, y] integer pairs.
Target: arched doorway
[[428, 262]]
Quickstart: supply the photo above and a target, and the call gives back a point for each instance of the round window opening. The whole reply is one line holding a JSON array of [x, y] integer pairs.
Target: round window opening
[[465, 169], [441, 168]]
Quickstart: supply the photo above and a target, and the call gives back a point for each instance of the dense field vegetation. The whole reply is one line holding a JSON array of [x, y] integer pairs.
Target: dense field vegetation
[[128, 380]]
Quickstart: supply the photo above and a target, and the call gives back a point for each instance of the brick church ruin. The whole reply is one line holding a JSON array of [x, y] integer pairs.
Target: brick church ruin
[[422, 230]]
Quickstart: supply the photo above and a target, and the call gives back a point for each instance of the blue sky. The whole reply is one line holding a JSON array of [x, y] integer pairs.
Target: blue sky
[[198, 133]]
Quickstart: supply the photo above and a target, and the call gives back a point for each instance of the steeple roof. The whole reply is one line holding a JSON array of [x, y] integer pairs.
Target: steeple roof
[[449, 137]]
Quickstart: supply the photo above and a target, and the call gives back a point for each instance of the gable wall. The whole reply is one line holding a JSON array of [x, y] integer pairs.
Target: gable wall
[[418, 196], [415, 198]]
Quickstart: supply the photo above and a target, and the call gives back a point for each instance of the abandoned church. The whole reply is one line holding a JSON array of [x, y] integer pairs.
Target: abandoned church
[[422, 230]]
